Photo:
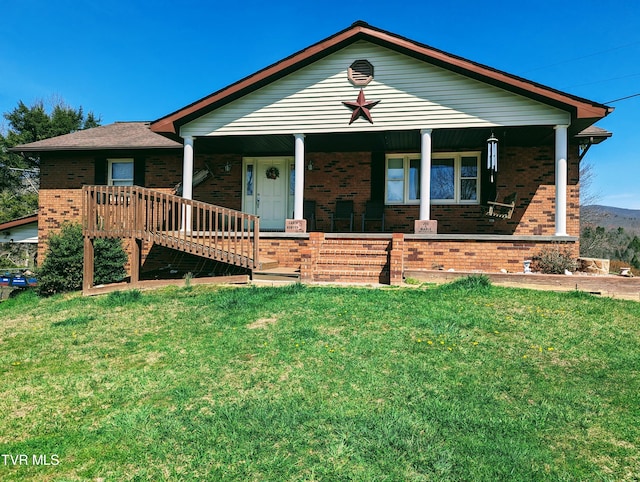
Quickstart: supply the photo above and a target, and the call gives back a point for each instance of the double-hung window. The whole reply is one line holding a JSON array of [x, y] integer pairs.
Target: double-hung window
[[403, 179], [455, 178], [120, 172]]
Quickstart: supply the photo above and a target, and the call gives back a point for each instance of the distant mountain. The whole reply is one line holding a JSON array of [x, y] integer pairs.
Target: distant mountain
[[611, 218]]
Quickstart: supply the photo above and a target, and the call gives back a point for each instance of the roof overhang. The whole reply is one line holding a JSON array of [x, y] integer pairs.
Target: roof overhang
[[583, 112], [19, 222], [593, 135], [119, 136]]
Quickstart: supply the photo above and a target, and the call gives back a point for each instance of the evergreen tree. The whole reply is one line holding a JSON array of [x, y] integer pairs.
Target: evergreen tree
[[62, 269], [614, 244], [19, 175]]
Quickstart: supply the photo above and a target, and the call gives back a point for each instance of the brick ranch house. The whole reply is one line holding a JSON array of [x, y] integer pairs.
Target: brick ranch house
[[365, 116]]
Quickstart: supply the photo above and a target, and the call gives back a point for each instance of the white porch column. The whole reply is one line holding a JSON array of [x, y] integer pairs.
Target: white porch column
[[425, 174], [187, 168], [561, 180], [187, 181], [298, 203]]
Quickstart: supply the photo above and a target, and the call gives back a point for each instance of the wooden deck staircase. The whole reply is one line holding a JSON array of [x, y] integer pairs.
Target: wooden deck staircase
[[145, 215]]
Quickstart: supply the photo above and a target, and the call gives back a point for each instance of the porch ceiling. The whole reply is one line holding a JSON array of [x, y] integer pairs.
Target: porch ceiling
[[449, 139]]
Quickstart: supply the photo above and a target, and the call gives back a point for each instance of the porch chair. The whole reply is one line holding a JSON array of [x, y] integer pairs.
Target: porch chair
[[309, 213], [374, 211], [343, 212], [502, 209]]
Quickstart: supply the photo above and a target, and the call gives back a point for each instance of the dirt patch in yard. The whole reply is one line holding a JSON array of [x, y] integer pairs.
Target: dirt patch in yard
[[262, 323]]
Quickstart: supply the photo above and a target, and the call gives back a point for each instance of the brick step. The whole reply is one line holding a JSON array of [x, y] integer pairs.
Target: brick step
[[357, 243], [350, 267], [347, 261], [353, 252], [353, 261], [346, 276]]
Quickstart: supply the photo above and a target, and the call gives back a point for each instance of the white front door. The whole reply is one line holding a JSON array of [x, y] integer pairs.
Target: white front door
[[267, 193]]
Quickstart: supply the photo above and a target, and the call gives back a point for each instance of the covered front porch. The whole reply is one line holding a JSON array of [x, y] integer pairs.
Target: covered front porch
[[441, 176], [273, 179]]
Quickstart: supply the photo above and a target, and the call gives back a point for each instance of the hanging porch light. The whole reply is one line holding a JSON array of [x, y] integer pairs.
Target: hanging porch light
[[492, 155]]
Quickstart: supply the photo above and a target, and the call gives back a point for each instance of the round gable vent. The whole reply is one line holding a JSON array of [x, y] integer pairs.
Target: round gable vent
[[360, 72]]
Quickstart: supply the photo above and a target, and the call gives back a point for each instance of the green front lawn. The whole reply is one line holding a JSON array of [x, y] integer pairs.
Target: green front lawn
[[458, 382]]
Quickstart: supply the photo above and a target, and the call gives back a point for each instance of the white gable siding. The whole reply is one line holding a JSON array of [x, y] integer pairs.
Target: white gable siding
[[412, 94]]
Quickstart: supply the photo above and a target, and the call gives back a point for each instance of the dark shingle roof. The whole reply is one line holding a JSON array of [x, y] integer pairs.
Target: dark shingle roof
[[119, 135], [594, 131], [594, 134]]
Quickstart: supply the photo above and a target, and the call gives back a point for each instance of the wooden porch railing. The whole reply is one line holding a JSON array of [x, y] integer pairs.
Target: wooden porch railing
[[190, 226]]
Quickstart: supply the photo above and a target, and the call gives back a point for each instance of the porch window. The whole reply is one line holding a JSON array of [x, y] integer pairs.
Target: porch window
[[120, 172], [403, 179], [454, 178], [469, 178]]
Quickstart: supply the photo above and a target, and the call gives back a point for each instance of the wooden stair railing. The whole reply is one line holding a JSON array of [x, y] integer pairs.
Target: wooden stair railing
[[194, 227]]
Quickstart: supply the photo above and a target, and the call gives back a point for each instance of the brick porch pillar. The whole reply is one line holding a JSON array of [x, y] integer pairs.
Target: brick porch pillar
[[309, 257], [396, 260]]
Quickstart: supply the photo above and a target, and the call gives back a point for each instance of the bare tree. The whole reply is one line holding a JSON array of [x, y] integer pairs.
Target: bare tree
[[588, 196]]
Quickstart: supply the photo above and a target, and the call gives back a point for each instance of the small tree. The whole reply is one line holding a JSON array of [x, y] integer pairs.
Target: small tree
[[109, 261], [62, 268]]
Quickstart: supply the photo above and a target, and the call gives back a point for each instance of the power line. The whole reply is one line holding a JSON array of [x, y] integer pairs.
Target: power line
[[623, 98], [602, 81], [582, 57]]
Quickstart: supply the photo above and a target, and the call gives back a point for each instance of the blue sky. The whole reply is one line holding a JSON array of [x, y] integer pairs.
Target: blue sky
[[140, 60]]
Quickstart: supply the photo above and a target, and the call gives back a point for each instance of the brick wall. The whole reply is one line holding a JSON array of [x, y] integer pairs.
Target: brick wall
[[338, 176], [323, 257], [60, 196], [471, 255], [162, 171], [222, 188], [528, 171], [287, 251]]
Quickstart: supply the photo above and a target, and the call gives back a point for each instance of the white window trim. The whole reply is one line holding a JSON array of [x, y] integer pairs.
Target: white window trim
[[457, 163], [457, 174], [406, 163], [111, 162]]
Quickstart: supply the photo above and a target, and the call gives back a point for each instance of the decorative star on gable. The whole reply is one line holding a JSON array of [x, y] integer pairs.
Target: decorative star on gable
[[361, 108]]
